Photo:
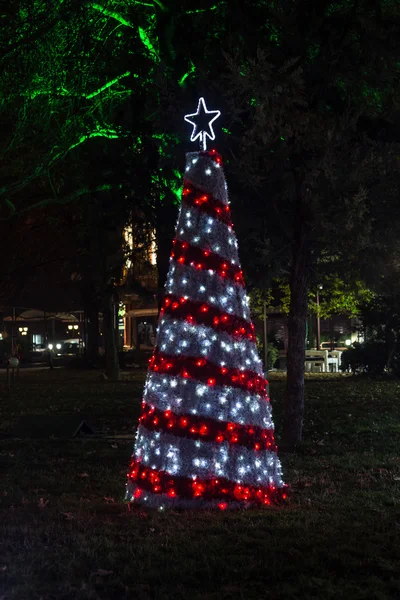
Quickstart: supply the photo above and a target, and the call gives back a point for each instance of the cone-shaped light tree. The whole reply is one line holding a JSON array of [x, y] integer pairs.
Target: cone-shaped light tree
[[205, 437]]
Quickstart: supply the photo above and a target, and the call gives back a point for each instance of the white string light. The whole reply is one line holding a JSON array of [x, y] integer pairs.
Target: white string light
[[192, 398]]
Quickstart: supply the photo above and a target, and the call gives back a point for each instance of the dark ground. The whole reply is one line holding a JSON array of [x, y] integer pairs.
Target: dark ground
[[66, 534]]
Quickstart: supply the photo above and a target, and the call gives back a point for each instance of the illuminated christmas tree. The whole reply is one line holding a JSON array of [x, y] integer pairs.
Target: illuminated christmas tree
[[205, 437]]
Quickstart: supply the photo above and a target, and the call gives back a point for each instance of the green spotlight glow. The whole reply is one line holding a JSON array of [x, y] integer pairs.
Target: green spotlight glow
[[201, 10], [107, 85], [113, 14], [147, 42], [182, 80]]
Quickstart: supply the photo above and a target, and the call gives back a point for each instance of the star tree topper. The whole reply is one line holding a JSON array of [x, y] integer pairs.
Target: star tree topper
[[202, 121]]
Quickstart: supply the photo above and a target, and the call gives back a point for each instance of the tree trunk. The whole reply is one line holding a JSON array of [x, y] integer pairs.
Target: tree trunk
[[391, 344], [294, 399], [92, 333], [165, 228], [110, 342]]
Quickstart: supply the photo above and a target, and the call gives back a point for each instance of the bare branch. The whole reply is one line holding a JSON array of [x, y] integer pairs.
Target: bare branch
[[113, 14], [42, 169], [65, 200]]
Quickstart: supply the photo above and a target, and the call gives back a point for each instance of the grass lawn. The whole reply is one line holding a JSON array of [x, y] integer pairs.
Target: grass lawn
[[65, 533]]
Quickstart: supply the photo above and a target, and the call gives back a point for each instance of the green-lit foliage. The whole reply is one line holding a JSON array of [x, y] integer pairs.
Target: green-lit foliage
[[337, 297], [187, 74], [145, 36], [77, 77], [313, 51]]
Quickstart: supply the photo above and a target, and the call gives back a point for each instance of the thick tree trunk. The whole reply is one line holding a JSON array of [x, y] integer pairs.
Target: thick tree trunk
[[110, 342], [294, 399], [165, 228]]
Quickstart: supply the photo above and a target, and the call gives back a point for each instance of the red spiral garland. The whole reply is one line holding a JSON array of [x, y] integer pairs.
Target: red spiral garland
[[201, 313], [161, 482], [207, 429], [203, 370], [206, 202], [204, 260]]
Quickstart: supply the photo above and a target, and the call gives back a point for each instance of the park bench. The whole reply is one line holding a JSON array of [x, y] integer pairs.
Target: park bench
[[322, 361]]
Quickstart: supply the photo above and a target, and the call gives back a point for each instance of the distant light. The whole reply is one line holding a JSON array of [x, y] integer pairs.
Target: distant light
[[348, 342], [70, 326], [58, 346], [50, 346]]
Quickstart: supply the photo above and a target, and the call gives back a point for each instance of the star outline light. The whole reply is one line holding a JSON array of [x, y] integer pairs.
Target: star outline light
[[202, 134]]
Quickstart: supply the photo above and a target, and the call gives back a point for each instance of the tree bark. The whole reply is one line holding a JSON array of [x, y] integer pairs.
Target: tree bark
[[110, 342], [165, 224], [299, 282], [92, 332], [391, 344]]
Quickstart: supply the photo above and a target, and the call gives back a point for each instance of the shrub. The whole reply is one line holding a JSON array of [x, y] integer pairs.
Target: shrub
[[368, 357], [395, 363], [273, 354]]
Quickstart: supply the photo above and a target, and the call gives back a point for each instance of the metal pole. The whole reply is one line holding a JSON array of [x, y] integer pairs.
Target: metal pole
[[318, 325], [9, 379], [13, 332], [265, 339]]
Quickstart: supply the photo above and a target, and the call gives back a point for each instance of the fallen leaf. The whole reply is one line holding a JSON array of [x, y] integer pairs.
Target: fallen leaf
[[83, 475], [102, 572], [69, 516], [42, 503], [114, 445], [107, 499], [3, 568]]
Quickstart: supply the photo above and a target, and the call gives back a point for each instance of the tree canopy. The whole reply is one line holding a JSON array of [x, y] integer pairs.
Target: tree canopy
[[92, 95]]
